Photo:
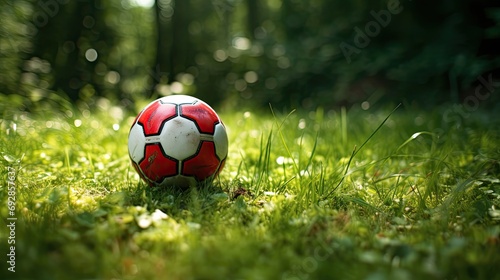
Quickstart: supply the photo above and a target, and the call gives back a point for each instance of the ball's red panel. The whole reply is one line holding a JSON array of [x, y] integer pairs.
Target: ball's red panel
[[204, 116], [156, 166], [204, 164], [154, 115]]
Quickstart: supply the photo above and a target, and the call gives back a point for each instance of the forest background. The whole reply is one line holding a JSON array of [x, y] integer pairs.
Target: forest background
[[292, 54]]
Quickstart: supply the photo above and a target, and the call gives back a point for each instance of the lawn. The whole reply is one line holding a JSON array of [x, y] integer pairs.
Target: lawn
[[326, 194]]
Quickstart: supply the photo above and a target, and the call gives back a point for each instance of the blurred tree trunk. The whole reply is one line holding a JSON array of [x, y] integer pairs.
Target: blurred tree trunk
[[59, 28], [253, 17], [65, 32], [164, 44], [180, 35], [172, 41], [16, 44]]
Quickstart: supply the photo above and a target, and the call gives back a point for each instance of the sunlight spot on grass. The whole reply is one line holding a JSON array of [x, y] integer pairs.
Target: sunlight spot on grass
[[144, 221], [78, 122], [254, 133], [380, 216], [268, 207], [65, 126], [116, 113], [344, 160], [86, 113], [494, 213], [158, 215], [95, 124], [99, 166], [124, 218], [83, 159], [280, 160], [302, 124], [284, 160], [103, 104], [13, 127], [84, 201], [193, 226]]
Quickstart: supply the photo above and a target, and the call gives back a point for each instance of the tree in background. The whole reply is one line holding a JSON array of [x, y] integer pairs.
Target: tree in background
[[289, 53], [16, 35]]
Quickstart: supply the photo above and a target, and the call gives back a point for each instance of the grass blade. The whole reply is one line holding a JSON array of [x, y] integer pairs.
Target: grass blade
[[356, 151]]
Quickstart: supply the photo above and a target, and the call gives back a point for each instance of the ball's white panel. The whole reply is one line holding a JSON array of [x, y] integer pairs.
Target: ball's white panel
[[180, 138], [179, 181], [179, 99], [136, 143], [221, 141]]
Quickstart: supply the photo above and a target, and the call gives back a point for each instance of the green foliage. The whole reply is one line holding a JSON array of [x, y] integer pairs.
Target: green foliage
[[287, 53], [304, 195]]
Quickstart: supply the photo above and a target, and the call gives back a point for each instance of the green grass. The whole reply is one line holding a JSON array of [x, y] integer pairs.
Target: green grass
[[300, 197]]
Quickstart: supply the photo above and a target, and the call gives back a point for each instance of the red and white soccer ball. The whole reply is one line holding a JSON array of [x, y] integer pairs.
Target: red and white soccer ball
[[177, 140]]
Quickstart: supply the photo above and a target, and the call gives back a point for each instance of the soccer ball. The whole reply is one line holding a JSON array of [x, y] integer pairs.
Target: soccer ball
[[177, 140]]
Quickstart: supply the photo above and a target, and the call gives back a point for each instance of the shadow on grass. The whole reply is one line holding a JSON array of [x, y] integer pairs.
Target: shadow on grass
[[170, 199]]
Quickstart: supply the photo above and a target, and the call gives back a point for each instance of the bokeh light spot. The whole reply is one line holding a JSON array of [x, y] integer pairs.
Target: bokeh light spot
[[112, 77], [91, 55], [220, 55], [176, 87], [251, 77], [241, 43], [365, 105]]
